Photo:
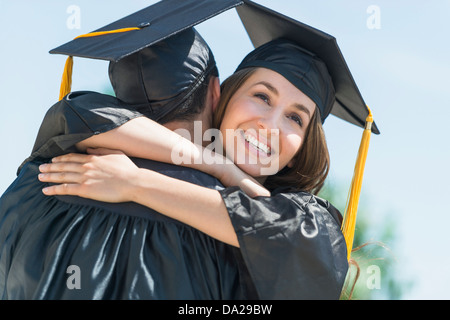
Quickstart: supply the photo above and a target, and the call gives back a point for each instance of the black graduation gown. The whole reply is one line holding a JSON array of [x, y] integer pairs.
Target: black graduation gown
[[120, 251], [291, 246]]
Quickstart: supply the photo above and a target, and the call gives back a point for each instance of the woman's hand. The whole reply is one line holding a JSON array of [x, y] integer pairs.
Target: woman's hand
[[102, 175], [233, 176]]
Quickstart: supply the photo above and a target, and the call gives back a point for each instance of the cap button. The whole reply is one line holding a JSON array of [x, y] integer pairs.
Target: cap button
[[144, 24]]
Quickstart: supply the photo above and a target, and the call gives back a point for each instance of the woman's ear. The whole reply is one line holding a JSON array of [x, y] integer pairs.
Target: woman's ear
[[294, 160], [291, 163]]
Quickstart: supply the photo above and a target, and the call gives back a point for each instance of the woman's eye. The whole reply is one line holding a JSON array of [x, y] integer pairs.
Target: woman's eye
[[263, 97], [297, 119]]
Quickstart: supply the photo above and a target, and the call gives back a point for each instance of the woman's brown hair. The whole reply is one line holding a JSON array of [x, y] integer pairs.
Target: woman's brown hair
[[312, 161]]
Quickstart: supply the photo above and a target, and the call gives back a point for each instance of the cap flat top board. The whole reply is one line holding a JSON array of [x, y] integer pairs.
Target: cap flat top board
[[156, 22]]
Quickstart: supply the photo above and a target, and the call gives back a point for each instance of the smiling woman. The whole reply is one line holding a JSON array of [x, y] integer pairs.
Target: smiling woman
[[272, 115]]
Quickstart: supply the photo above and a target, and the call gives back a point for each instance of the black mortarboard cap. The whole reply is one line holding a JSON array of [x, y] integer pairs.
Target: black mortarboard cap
[[163, 76], [264, 25], [156, 57], [154, 23]]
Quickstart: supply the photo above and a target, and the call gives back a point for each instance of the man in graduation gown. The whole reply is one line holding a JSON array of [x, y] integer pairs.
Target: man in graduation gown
[[75, 248]]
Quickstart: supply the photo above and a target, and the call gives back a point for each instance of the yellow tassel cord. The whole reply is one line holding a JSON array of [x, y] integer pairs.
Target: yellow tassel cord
[[348, 226], [66, 81]]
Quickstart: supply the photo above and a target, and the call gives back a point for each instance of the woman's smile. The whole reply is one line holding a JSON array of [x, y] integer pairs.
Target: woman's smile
[[256, 144]]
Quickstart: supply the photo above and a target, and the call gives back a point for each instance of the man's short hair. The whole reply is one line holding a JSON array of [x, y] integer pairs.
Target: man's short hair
[[194, 104]]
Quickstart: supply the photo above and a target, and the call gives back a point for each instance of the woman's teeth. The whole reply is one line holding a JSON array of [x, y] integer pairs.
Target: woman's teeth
[[258, 144]]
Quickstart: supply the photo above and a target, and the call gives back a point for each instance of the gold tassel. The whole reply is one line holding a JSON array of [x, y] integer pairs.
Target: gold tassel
[[101, 33], [66, 82], [348, 226]]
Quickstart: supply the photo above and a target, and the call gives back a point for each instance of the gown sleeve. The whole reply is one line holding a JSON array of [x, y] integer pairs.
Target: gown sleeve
[[79, 116], [291, 243]]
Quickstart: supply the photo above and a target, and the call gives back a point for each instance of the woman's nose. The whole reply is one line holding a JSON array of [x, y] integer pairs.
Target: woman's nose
[[268, 126], [269, 120]]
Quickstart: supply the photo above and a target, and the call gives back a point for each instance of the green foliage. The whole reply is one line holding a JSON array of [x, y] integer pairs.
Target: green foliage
[[108, 89], [373, 250]]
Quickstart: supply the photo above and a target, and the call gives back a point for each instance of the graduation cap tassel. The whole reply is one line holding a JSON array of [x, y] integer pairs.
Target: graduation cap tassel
[[348, 226], [66, 82]]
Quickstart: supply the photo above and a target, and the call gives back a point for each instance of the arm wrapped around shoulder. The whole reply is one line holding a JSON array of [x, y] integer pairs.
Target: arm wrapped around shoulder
[[78, 116], [291, 243]]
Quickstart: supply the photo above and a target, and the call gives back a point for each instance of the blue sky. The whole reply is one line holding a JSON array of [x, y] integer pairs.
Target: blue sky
[[398, 54]]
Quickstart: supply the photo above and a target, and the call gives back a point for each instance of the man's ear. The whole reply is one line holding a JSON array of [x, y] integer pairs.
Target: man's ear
[[215, 92]]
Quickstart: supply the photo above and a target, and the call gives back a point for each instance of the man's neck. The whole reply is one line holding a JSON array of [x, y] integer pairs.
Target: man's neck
[[194, 128]]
